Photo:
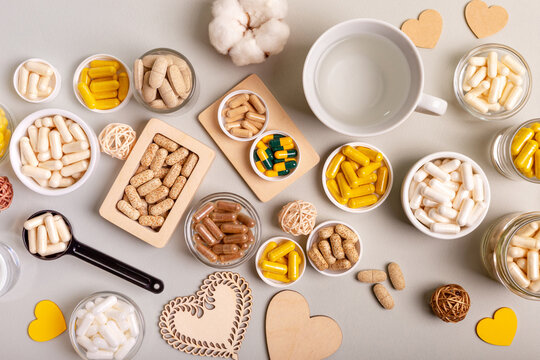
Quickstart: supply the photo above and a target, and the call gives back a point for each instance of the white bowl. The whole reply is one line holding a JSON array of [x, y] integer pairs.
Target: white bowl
[[221, 119], [86, 63], [15, 157], [55, 82], [279, 240], [314, 237], [254, 146], [366, 208], [407, 183]]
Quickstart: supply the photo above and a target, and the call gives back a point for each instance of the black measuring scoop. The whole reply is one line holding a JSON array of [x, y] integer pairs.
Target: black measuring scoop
[[99, 259]]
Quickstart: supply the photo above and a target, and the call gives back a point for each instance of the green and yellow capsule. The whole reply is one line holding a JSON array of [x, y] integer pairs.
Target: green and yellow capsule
[[265, 160], [283, 154], [267, 138], [283, 141], [287, 165]]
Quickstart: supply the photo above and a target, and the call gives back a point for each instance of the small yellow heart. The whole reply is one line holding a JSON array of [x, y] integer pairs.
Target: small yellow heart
[[500, 330], [49, 322]]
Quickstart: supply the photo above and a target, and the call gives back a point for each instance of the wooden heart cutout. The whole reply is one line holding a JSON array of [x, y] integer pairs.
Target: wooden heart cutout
[[425, 31], [212, 322], [483, 20], [292, 334], [49, 322], [500, 330]]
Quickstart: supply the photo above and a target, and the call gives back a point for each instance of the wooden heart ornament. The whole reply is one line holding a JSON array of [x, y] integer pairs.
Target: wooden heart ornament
[[292, 334], [425, 31], [49, 322], [483, 20], [212, 322], [500, 330]]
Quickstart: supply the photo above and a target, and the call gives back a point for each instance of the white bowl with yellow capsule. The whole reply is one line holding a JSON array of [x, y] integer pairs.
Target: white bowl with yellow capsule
[[283, 247], [367, 182]]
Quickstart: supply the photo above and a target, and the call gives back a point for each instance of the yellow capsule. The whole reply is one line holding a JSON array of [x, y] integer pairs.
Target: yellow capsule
[[3, 122], [2, 112], [261, 145], [271, 173], [293, 266], [281, 250], [102, 86], [264, 256], [526, 152], [354, 165], [537, 137], [363, 190], [344, 187], [101, 72], [108, 78], [333, 188], [535, 127], [373, 155], [537, 164], [349, 174], [521, 137], [101, 63], [382, 180], [277, 277], [355, 155], [85, 78], [368, 169], [334, 165], [107, 104], [123, 80], [529, 165], [86, 95], [362, 201], [260, 167], [105, 95], [282, 260], [267, 138], [274, 267], [371, 178], [529, 174]]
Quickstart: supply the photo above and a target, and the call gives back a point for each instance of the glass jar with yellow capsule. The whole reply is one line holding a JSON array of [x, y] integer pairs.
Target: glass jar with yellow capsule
[[6, 129]]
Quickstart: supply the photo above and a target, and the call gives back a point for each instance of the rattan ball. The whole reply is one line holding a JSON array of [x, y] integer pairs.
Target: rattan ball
[[450, 303], [6, 193], [297, 217]]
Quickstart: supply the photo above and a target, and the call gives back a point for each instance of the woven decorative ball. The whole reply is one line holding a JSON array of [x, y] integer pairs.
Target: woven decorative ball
[[450, 303], [6, 193], [117, 140], [297, 218]]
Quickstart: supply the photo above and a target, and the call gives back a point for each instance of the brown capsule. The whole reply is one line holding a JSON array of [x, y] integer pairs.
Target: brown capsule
[[326, 251], [257, 103], [251, 237], [371, 276], [149, 154], [246, 220], [384, 297], [157, 195], [189, 165], [317, 258], [213, 228], [346, 233], [159, 159], [228, 206], [149, 186], [223, 217], [225, 249], [396, 276], [340, 265], [207, 252], [141, 178], [234, 229], [166, 143], [349, 247], [198, 239], [206, 235], [326, 232], [337, 247], [204, 211], [236, 239], [230, 257], [150, 220], [244, 246]]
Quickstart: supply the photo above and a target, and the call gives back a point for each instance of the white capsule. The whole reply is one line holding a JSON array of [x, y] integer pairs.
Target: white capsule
[[515, 79], [420, 175], [435, 195], [92, 330], [432, 213], [492, 64], [482, 88], [35, 172], [75, 157], [32, 240], [516, 252], [101, 343], [44, 93], [79, 314], [423, 217], [55, 142], [513, 64], [534, 286], [495, 91], [38, 68], [455, 176], [416, 199], [412, 188], [533, 272], [86, 343], [439, 186], [528, 230], [63, 230], [478, 76], [464, 212], [467, 175], [47, 122], [54, 249], [99, 355], [478, 189], [123, 325], [78, 175], [494, 107], [66, 181], [27, 153], [452, 185], [429, 203], [119, 334], [101, 319], [35, 221], [52, 233], [74, 168], [31, 90], [51, 165], [477, 60], [85, 324], [54, 180], [469, 72], [22, 84], [60, 124], [448, 212], [109, 335], [513, 98], [445, 228], [436, 172], [89, 305], [518, 275], [44, 156], [521, 262], [504, 81], [43, 139], [124, 307], [41, 239], [124, 349], [77, 132], [502, 69], [478, 104], [451, 165], [524, 242], [74, 147], [478, 210], [105, 304], [133, 325]]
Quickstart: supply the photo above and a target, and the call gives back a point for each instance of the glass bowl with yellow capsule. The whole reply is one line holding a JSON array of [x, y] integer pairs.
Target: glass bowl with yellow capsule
[[357, 177], [7, 124], [276, 272]]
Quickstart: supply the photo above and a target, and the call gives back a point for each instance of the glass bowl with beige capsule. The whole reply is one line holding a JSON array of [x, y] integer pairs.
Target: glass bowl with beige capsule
[[492, 82], [243, 115], [164, 81]]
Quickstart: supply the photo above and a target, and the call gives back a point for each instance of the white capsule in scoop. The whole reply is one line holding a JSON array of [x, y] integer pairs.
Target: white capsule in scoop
[[104, 305], [35, 221], [436, 172], [435, 195], [445, 228], [464, 212], [518, 275], [32, 241], [513, 64], [41, 239], [52, 233], [62, 228], [54, 249]]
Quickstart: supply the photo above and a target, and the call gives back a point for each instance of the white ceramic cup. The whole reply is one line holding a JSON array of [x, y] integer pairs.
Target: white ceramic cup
[[356, 92], [279, 240]]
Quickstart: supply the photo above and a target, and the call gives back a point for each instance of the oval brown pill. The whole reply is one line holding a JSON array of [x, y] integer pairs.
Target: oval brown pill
[[326, 251], [236, 239], [213, 228], [207, 252], [206, 235], [396, 276], [230, 257], [316, 256], [340, 265], [326, 232], [246, 220], [203, 211], [384, 297], [223, 217], [371, 276], [228, 206], [337, 247], [346, 233], [234, 228], [225, 249], [349, 247]]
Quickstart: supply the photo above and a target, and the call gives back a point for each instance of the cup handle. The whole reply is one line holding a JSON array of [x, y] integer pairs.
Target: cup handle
[[431, 105]]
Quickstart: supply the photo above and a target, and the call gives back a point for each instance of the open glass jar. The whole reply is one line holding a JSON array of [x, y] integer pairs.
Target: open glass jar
[[495, 245]]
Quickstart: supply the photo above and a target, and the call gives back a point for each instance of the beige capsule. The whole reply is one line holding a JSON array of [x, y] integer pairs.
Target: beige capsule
[[166, 143], [255, 117], [178, 156], [149, 154], [234, 124], [186, 74], [349, 247], [148, 60], [148, 93], [371, 276], [239, 132], [396, 276], [140, 169], [326, 251], [176, 80], [158, 72], [141, 178], [346, 233], [138, 74], [317, 258], [383, 296], [237, 111], [150, 220], [189, 165], [157, 195], [256, 124], [144, 209], [148, 187], [238, 100], [161, 173], [233, 119], [127, 210], [161, 207], [167, 94], [172, 174], [177, 187], [257, 103], [340, 265], [159, 159], [248, 126], [133, 197], [337, 247], [326, 232], [158, 104]]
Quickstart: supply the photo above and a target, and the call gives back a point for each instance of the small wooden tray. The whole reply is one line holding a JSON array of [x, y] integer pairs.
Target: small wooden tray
[[108, 208], [238, 152]]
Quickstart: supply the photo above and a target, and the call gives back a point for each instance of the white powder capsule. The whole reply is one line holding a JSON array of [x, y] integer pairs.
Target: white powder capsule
[[465, 211], [518, 275], [467, 175], [524, 241], [416, 199], [437, 217], [99, 355], [423, 217], [532, 265], [124, 349], [420, 175], [528, 230], [86, 343], [435, 195], [448, 212], [478, 210], [516, 252], [105, 304], [513, 64], [450, 166], [85, 324], [436, 172], [445, 228]]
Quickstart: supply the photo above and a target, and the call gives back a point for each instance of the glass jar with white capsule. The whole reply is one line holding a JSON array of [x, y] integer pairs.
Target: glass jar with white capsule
[[9, 268], [510, 253], [492, 82]]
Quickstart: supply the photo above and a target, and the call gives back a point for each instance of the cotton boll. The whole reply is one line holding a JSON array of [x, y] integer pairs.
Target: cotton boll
[[272, 36], [230, 9], [224, 33], [246, 51], [260, 11]]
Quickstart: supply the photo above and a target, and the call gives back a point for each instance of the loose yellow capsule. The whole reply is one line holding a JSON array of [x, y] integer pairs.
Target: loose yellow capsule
[[86, 95], [108, 78], [264, 256], [107, 104], [537, 137], [362, 190], [349, 174], [260, 166], [293, 266], [124, 86], [105, 95], [274, 267], [526, 152], [282, 260], [101, 72], [373, 155], [355, 155], [344, 187], [537, 164], [276, 277], [332, 186], [362, 201], [261, 145], [102, 86], [529, 165], [371, 178], [535, 127], [354, 165], [382, 180], [101, 63], [334, 165], [84, 76], [529, 174], [368, 169], [271, 173], [281, 250], [3, 122], [521, 137]]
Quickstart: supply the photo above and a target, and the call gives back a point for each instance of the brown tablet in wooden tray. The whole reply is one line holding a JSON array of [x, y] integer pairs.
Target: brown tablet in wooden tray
[[157, 183]]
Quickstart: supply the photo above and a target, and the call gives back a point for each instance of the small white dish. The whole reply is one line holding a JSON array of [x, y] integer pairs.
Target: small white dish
[[254, 146], [221, 118], [55, 82], [366, 208], [15, 156], [314, 238], [279, 240], [86, 63], [407, 183]]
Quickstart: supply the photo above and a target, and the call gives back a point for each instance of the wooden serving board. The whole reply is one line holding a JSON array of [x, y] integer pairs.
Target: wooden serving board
[[108, 208], [238, 151]]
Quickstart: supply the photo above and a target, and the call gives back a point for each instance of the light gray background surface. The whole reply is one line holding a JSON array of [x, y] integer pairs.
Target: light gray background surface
[[65, 32]]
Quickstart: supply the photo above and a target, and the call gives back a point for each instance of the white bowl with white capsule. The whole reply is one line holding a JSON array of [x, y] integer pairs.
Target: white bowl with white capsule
[[461, 216], [36, 81]]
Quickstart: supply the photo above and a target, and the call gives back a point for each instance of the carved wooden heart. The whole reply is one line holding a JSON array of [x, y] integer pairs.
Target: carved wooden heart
[[483, 20], [292, 334], [425, 31], [213, 321]]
